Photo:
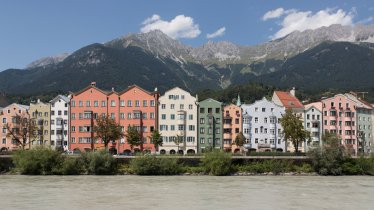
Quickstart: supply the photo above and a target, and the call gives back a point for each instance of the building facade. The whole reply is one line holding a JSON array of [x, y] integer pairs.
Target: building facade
[[178, 122], [8, 116], [232, 126], [85, 106], [41, 113], [339, 117], [312, 118], [138, 107], [60, 122], [210, 126], [261, 126], [364, 124]]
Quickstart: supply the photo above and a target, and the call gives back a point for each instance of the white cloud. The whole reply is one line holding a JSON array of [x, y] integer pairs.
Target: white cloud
[[273, 14], [219, 32], [179, 27], [304, 20]]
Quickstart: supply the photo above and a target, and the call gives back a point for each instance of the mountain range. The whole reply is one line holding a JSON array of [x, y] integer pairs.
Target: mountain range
[[328, 57]]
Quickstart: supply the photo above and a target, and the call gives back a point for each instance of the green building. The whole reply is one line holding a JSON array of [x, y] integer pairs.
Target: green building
[[210, 127]]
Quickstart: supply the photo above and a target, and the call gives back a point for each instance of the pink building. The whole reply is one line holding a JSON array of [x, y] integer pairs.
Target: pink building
[[8, 116], [339, 117]]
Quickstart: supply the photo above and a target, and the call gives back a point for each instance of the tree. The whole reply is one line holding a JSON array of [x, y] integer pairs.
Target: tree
[[239, 140], [133, 136], [293, 129], [107, 130], [177, 141], [156, 139], [22, 130], [328, 159]]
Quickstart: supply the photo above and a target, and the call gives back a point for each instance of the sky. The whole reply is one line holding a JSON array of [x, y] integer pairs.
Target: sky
[[30, 30]]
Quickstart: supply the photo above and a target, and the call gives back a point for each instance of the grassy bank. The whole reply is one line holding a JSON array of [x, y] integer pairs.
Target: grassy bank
[[44, 161]]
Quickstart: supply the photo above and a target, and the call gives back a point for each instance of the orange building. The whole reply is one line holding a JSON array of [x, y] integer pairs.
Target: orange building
[[124, 107], [138, 107], [232, 126]]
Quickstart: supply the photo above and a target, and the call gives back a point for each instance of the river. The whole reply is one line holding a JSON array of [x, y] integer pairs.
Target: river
[[186, 192]]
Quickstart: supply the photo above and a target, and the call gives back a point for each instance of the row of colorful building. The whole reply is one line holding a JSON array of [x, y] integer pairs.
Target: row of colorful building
[[67, 121]]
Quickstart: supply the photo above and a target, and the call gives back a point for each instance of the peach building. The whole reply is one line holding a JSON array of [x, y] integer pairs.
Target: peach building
[[8, 115], [232, 126], [339, 117], [133, 106], [138, 107]]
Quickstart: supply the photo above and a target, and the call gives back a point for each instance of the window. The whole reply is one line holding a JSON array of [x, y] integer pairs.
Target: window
[[256, 140], [137, 103], [265, 120], [172, 127], [202, 130], [88, 103], [256, 119], [72, 116], [152, 103], [145, 103], [256, 130], [112, 115], [52, 113], [52, 122], [129, 116], [80, 103], [202, 140], [202, 121], [72, 103], [190, 139], [218, 110], [163, 116], [96, 103], [263, 109], [190, 106], [152, 115], [4, 141], [256, 109], [163, 106], [4, 120], [202, 110], [191, 127], [172, 116], [122, 115], [181, 127], [172, 106], [103, 103], [59, 113], [65, 113], [218, 130], [307, 116], [73, 140], [121, 103], [210, 110], [112, 103], [190, 117], [218, 120], [129, 103], [163, 127]]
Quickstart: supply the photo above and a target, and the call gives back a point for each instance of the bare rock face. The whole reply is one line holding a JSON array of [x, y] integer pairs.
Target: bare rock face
[[50, 60]]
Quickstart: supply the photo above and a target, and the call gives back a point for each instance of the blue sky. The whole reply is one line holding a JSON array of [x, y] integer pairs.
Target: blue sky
[[33, 29]]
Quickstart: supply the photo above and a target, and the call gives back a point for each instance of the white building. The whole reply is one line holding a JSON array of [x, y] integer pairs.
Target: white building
[[312, 119], [178, 120], [60, 122], [261, 126]]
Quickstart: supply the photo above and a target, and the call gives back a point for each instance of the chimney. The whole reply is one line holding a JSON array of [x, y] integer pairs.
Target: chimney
[[93, 84], [38, 101], [292, 91], [112, 89]]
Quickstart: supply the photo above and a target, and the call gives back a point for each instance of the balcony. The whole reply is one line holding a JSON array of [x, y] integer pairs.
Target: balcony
[[247, 146], [227, 136]]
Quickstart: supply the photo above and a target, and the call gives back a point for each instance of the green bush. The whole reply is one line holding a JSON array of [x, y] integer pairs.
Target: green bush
[[366, 164], [217, 163], [351, 168], [266, 166], [38, 161], [72, 166], [99, 163], [194, 169], [304, 168], [150, 165]]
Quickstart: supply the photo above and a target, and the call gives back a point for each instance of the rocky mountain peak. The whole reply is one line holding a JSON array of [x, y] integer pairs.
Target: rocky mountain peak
[[45, 61]]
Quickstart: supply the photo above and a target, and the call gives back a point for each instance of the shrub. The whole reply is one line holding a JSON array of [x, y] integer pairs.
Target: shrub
[[351, 168], [72, 166], [150, 165], [366, 165], [99, 163], [274, 166], [304, 168], [217, 163], [38, 161]]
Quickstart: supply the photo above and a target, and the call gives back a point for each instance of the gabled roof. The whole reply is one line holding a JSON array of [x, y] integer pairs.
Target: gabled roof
[[135, 86], [210, 99], [88, 87], [64, 98], [288, 100], [359, 102], [316, 105], [20, 106]]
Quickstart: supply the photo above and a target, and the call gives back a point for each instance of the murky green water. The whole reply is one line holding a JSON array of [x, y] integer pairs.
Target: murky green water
[[186, 192]]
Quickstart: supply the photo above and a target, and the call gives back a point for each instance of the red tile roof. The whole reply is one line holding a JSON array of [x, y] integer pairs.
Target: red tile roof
[[288, 100]]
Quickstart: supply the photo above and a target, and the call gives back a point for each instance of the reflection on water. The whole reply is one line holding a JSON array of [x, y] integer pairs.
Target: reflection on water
[[186, 192]]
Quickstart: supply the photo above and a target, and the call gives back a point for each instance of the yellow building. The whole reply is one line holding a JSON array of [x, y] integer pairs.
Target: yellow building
[[41, 113]]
